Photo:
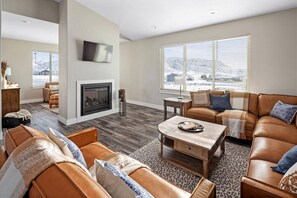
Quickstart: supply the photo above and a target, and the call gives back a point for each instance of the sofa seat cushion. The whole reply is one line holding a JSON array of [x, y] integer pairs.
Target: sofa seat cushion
[[272, 120], [269, 149], [202, 113], [278, 132], [93, 151], [250, 124], [157, 186], [261, 170]]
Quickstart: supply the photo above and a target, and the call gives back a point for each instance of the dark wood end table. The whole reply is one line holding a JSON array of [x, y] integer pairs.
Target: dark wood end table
[[176, 103]]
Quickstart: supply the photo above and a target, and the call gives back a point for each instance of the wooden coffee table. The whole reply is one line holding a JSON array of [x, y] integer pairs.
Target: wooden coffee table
[[188, 149]]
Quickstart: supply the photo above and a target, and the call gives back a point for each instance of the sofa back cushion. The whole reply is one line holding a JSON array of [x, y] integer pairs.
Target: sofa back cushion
[[266, 102], [18, 135], [253, 103], [50, 83], [65, 180]]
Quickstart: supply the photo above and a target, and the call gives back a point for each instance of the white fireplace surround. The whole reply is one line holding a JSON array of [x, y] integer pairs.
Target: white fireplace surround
[[80, 118]]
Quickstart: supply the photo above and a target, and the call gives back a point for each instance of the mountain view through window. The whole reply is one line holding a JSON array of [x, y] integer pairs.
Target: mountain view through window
[[219, 65]]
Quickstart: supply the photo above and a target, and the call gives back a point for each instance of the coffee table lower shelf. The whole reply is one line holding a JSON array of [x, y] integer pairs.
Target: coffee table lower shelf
[[189, 163]]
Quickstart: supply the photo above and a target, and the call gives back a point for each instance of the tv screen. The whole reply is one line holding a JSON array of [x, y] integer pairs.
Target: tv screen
[[97, 52]]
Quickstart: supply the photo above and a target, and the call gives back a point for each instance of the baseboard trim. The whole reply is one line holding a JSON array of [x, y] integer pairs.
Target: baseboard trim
[[65, 121], [154, 106], [31, 100], [96, 115], [86, 118]]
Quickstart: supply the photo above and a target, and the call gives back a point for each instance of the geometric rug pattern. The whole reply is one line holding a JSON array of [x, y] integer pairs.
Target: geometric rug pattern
[[226, 174]]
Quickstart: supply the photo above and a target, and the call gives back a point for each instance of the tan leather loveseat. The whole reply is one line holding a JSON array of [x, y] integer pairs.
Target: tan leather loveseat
[[47, 92], [68, 180]]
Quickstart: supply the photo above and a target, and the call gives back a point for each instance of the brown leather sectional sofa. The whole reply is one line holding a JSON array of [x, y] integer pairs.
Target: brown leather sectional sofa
[[272, 138], [68, 180]]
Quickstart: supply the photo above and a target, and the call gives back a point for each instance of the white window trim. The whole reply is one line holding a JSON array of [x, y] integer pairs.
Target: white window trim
[[50, 69], [214, 42]]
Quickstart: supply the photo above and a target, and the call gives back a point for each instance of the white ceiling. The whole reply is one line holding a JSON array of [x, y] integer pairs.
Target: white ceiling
[[29, 29], [139, 19]]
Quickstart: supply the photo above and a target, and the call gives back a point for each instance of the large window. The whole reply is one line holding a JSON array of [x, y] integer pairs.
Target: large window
[[45, 68], [218, 65]]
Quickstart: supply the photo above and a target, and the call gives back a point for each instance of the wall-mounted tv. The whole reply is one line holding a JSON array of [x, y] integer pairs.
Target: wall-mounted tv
[[97, 52]]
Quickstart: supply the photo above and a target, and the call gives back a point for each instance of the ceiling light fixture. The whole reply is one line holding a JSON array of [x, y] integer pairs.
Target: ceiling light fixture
[[24, 21], [212, 12], [154, 27]]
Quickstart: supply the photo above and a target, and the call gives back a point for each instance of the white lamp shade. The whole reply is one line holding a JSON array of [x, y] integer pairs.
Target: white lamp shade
[[179, 80], [8, 71]]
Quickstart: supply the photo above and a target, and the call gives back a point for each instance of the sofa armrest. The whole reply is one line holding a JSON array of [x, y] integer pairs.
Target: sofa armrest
[[204, 188], [296, 121], [187, 106], [46, 94], [3, 156], [253, 189], [84, 137]]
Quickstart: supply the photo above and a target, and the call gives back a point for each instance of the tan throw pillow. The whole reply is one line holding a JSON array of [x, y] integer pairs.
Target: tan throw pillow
[[200, 98], [115, 186], [60, 143], [289, 180], [54, 87]]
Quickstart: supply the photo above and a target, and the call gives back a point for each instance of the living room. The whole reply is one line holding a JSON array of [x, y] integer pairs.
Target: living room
[[245, 47]]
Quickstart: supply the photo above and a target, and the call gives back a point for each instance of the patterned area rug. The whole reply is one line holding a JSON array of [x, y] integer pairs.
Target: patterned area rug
[[226, 174], [54, 108]]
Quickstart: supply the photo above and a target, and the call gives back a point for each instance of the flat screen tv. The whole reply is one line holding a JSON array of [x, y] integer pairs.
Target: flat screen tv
[[97, 52]]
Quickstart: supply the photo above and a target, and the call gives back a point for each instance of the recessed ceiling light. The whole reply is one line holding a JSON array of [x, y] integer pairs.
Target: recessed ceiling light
[[212, 12], [24, 21]]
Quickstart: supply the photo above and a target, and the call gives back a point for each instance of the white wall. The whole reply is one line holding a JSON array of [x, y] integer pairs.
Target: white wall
[[273, 55], [82, 24], [41, 9], [18, 55]]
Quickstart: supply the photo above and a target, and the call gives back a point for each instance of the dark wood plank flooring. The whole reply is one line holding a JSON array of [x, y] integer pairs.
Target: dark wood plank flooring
[[122, 134]]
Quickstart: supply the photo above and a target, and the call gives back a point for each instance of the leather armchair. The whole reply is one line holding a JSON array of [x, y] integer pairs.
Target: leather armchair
[[47, 91]]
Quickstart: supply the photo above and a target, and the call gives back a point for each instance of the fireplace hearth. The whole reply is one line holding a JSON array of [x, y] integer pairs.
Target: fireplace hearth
[[95, 97]]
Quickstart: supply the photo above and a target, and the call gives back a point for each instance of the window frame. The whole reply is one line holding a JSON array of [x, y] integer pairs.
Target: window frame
[[50, 66], [214, 59]]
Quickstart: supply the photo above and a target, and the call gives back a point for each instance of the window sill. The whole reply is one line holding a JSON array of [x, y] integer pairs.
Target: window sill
[[39, 87], [174, 92]]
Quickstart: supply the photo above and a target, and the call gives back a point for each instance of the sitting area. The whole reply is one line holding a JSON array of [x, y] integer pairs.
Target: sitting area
[[271, 124]]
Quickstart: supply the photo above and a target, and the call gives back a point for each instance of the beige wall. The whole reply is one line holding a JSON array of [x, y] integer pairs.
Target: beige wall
[[273, 60], [41, 9], [18, 55], [76, 29]]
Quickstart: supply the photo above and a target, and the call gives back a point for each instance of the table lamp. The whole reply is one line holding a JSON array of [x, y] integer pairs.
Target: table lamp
[[8, 72], [180, 80]]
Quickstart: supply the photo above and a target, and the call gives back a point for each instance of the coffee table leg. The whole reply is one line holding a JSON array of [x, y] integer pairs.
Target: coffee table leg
[[205, 169], [161, 145], [223, 146]]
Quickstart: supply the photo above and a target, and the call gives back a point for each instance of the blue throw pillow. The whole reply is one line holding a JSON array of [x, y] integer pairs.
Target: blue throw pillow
[[133, 185], [220, 102], [288, 160], [285, 112], [77, 154]]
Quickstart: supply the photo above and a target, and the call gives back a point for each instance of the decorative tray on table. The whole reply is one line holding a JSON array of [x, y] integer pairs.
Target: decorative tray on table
[[190, 126]]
